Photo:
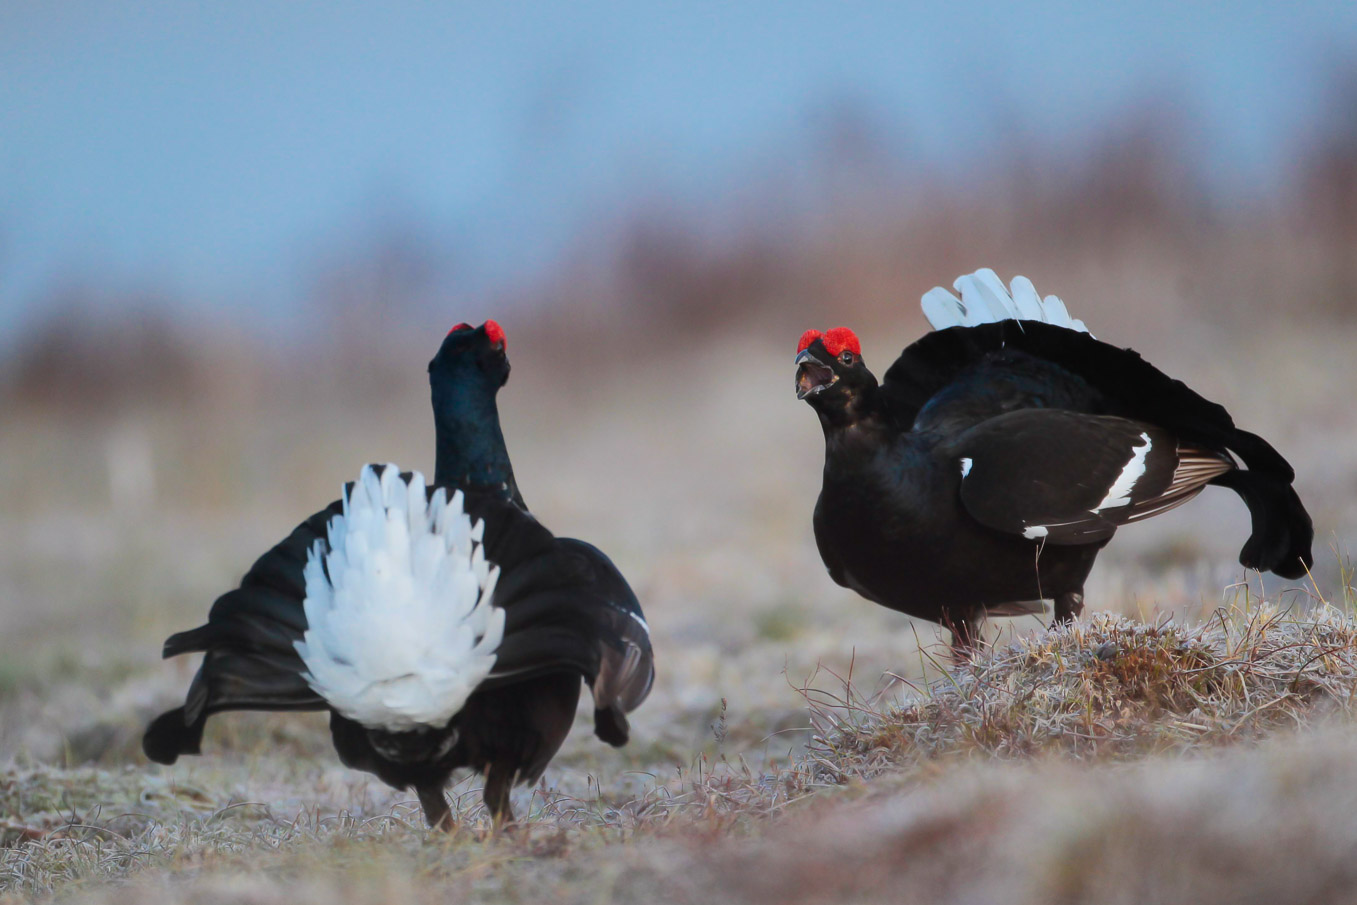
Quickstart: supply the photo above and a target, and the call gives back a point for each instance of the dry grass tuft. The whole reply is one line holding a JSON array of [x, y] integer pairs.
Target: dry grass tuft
[[1109, 687]]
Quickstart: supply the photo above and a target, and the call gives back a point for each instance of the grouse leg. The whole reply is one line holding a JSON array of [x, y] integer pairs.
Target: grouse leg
[[499, 780], [435, 805], [1068, 606]]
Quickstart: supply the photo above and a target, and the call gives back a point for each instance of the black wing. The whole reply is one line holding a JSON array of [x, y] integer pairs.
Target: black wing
[[1098, 378], [1065, 478], [251, 663], [567, 608], [626, 667]]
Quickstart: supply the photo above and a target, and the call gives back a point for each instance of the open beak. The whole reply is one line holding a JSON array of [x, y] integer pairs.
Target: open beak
[[812, 375]]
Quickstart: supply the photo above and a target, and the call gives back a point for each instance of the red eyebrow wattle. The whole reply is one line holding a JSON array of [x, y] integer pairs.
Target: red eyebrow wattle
[[807, 338], [841, 338], [495, 333]]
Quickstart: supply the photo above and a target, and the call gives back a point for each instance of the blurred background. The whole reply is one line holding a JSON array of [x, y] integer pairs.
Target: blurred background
[[231, 236]]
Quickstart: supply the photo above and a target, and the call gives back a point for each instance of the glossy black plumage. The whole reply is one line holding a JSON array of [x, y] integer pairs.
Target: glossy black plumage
[[569, 616], [980, 476]]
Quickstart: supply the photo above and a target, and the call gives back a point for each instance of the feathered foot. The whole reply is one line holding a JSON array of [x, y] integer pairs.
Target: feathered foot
[[435, 805], [499, 780], [1068, 606]]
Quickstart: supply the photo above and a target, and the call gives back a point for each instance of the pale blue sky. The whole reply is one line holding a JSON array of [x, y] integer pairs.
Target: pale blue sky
[[217, 149]]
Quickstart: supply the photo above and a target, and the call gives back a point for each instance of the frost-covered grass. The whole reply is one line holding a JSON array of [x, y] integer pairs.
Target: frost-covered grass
[[1065, 708], [1107, 688]]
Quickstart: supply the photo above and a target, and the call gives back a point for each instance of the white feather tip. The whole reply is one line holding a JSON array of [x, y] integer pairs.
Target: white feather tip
[[401, 624], [985, 300]]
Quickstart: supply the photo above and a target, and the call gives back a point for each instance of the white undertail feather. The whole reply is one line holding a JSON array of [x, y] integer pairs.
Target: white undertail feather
[[985, 300], [401, 626]]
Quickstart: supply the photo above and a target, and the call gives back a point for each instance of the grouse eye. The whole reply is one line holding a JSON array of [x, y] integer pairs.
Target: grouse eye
[[846, 357]]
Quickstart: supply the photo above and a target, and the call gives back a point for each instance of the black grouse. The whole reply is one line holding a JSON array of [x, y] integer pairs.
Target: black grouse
[[1002, 451], [443, 627]]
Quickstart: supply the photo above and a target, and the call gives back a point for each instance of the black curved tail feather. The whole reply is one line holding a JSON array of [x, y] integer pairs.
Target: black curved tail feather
[[191, 641], [171, 735], [1282, 530], [1139, 390], [611, 726], [1259, 456]]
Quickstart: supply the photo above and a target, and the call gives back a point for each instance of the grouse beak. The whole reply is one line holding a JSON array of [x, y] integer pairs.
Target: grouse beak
[[812, 375]]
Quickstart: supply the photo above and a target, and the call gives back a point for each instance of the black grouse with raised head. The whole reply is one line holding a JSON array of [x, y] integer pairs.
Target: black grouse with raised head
[[1002, 451], [443, 627]]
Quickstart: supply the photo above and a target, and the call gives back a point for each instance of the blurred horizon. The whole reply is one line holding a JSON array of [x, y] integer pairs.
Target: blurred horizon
[[230, 239], [245, 163]]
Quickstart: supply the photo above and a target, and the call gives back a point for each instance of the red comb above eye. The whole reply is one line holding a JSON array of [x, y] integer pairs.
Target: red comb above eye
[[459, 327], [841, 338], [495, 333], [807, 338]]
